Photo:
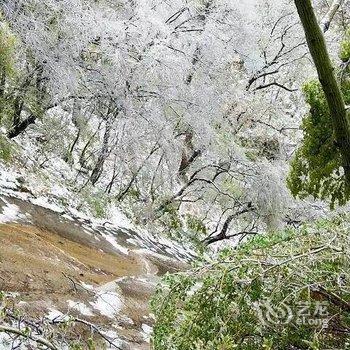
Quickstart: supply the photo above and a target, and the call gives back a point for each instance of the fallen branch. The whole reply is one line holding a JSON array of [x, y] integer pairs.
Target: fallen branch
[[92, 327], [25, 334], [56, 321], [331, 297], [274, 83]]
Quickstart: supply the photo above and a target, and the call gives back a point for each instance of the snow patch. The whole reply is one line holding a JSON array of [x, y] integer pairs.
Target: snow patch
[[8, 179], [119, 219], [22, 303], [108, 303], [87, 286], [146, 332], [197, 286], [68, 217], [56, 315], [111, 239], [59, 191], [114, 338], [80, 307], [132, 241], [5, 341], [10, 213]]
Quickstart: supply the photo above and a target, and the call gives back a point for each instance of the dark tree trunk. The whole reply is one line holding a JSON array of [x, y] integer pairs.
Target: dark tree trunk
[[98, 169], [189, 155], [75, 119], [18, 125], [21, 126], [2, 84]]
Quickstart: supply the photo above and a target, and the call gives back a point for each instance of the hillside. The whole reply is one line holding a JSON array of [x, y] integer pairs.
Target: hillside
[[55, 266]]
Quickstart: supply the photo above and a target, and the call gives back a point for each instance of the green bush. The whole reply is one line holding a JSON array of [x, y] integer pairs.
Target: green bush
[[7, 50], [195, 224], [316, 168], [253, 297], [6, 150], [345, 48], [97, 201]]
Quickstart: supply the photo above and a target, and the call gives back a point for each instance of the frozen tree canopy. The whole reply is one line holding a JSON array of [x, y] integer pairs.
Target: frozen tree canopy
[[162, 106]]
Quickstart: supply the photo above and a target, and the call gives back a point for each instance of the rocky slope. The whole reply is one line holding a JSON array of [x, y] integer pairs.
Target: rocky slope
[[56, 264]]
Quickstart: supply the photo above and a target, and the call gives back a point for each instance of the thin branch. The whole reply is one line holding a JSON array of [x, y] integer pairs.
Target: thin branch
[[25, 334], [275, 83], [328, 18], [223, 233]]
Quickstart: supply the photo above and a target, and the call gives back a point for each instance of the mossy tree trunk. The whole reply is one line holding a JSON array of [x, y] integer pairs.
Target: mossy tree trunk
[[330, 85]]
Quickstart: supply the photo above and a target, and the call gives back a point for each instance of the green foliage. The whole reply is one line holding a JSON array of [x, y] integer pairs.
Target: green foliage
[[189, 230], [18, 87], [134, 193], [90, 345], [195, 224], [7, 69], [6, 149], [171, 219], [345, 48], [57, 136], [97, 201], [260, 147], [7, 51], [222, 304], [233, 187], [316, 168]]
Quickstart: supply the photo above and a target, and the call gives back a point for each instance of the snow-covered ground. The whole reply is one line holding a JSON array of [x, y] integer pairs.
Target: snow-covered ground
[[10, 185], [120, 305]]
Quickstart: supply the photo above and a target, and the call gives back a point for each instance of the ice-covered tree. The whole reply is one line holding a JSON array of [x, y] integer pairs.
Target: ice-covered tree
[[170, 108]]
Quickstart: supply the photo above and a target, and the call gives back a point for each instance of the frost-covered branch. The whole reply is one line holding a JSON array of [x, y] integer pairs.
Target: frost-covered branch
[[28, 335], [328, 18]]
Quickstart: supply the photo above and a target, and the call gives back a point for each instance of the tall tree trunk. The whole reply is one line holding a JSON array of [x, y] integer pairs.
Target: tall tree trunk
[[76, 112], [189, 155], [331, 87], [98, 169], [18, 125], [2, 83]]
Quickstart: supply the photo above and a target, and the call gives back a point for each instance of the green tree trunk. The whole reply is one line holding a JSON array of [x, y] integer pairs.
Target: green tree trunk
[[330, 85]]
